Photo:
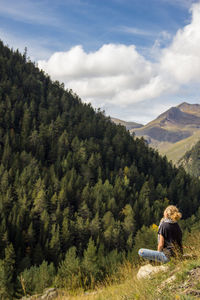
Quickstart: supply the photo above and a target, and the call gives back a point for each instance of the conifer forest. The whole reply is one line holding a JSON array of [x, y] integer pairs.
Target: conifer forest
[[76, 190]]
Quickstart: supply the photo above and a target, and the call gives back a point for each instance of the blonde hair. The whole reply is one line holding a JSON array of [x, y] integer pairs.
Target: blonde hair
[[173, 213]]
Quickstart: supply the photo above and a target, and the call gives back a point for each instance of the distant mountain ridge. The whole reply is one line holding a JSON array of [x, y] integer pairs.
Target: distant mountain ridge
[[180, 116], [127, 124], [176, 116], [190, 108], [173, 132]]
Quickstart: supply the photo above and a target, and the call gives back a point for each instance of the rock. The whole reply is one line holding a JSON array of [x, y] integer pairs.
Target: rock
[[167, 282], [189, 256], [47, 295], [90, 293], [193, 292], [148, 270]]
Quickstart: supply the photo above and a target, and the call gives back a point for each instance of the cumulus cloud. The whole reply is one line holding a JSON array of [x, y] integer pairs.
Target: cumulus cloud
[[182, 59], [120, 75], [113, 73]]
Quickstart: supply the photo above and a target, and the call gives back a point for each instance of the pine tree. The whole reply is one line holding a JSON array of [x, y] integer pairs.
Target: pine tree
[[68, 275], [89, 264], [7, 269]]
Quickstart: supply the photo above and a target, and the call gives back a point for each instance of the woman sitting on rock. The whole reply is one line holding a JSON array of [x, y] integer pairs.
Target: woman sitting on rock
[[169, 237]]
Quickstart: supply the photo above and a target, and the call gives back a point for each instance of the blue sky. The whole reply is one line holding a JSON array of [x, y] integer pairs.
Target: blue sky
[[132, 58]]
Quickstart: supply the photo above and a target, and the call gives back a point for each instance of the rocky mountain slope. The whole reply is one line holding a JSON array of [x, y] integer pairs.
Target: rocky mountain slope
[[173, 132]]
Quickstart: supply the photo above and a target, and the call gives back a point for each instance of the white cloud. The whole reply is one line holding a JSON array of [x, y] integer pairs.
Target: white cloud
[[119, 75], [182, 59], [114, 73], [109, 60], [136, 31]]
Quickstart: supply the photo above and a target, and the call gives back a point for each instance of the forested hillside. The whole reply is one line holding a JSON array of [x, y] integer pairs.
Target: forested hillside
[[191, 160], [75, 187]]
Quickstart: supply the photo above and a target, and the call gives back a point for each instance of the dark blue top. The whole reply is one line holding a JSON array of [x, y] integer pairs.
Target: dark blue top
[[172, 238]]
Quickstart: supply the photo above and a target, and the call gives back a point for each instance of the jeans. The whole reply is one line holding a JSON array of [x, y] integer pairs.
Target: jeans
[[153, 255]]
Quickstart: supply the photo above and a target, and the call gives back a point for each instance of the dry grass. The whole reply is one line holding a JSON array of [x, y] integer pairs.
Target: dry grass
[[176, 151], [124, 285]]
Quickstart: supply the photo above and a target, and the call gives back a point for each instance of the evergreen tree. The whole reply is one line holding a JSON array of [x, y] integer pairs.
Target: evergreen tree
[[68, 275], [7, 269], [89, 263]]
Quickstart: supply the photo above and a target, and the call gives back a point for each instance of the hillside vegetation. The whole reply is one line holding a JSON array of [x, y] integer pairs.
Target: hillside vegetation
[[181, 280], [76, 189], [191, 160]]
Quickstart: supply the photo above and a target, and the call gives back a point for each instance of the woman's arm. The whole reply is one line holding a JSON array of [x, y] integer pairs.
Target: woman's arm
[[161, 243]]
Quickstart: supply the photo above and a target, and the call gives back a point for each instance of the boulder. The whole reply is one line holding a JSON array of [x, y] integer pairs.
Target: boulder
[[148, 270], [166, 282], [49, 294]]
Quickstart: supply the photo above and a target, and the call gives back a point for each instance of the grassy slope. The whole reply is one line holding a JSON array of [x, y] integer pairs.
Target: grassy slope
[[124, 285], [175, 151]]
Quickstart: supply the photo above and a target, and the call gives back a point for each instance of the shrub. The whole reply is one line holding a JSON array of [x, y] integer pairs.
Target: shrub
[[146, 237], [36, 279], [69, 275]]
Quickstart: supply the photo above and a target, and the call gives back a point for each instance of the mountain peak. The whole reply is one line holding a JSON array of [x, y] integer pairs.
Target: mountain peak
[[190, 108], [183, 104], [182, 115], [175, 124], [173, 114]]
